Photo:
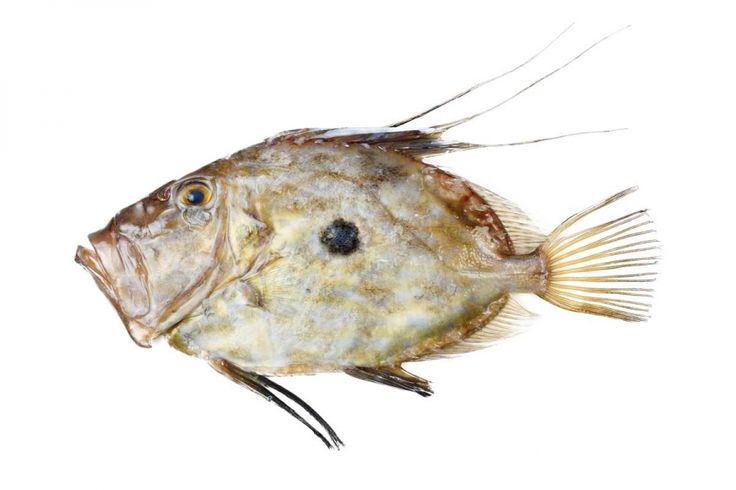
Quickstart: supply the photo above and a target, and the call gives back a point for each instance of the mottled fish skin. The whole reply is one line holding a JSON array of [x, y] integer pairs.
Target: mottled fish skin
[[417, 276]]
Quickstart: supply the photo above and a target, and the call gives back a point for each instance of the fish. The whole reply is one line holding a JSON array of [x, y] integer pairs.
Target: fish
[[346, 250]]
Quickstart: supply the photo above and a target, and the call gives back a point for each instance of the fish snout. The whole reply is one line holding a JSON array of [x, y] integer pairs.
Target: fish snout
[[119, 269]]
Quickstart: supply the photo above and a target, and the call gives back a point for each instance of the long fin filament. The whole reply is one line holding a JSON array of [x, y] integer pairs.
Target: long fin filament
[[480, 84], [445, 127]]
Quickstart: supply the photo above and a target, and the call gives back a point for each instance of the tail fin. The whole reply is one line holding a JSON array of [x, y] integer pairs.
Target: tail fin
[[592, 271]]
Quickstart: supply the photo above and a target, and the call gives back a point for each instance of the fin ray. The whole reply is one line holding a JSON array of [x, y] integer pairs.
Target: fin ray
[[481, 84], [260, 384], [578, 264], [512, 318], [394, 376], [428, 141], [418, 143], [525, 235]]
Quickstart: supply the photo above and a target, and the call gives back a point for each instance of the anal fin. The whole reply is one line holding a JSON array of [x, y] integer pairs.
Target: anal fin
[[511, 318], [394, 376]]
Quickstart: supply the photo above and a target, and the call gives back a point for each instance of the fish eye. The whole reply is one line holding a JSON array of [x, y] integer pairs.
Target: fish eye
[[195, 194]]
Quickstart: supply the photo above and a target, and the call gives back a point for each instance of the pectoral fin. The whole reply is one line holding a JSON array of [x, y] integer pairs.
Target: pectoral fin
[[392, 376], [261, 384]]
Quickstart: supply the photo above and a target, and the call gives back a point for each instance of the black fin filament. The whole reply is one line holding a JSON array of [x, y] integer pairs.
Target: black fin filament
[[261, 384]]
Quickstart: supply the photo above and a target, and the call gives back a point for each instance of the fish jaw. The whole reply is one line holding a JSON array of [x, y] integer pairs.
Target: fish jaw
[[119, 272]]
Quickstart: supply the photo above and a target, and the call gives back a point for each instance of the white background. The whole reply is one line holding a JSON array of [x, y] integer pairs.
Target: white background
[[102, 103]]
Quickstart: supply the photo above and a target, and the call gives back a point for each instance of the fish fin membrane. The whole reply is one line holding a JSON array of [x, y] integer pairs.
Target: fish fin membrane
[[525, 235], [510, 320], [601, 269], [417, 143], [394, 376]]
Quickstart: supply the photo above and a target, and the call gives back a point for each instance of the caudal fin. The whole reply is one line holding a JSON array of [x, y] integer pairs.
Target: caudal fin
[[602, 269]]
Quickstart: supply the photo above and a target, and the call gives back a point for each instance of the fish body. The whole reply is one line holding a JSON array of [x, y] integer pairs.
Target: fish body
[[344, 250], [433, 263]]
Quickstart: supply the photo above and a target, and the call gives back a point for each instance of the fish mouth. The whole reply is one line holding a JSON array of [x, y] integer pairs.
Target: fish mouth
[[118, 269]]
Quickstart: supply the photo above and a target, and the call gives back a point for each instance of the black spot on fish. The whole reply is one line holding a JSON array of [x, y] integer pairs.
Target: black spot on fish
[[341, 237]]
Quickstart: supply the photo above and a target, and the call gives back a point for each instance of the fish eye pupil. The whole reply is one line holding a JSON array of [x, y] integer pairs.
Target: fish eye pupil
[[340, 237], [195, 196]]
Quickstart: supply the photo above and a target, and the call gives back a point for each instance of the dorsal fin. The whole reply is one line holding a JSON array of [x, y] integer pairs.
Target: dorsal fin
[[525, 235], [418, 143], [481, 84], [510, 320], [428, 141]]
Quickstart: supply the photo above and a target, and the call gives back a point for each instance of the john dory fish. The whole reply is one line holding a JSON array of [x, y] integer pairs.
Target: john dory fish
[[344, 250]]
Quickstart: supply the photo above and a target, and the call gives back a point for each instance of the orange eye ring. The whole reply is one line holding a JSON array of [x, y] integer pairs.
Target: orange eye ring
[[195, 194]]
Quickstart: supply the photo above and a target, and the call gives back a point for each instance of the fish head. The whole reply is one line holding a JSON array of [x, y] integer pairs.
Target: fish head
[[157, 259]]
